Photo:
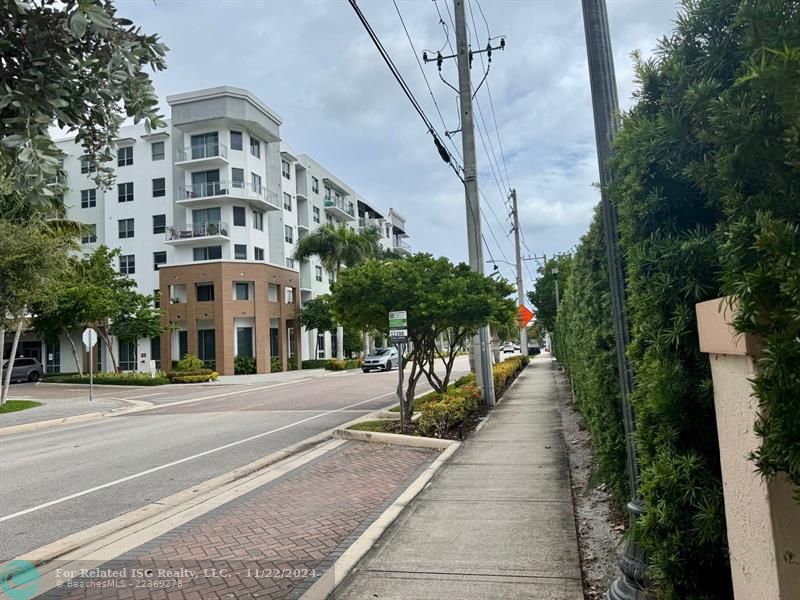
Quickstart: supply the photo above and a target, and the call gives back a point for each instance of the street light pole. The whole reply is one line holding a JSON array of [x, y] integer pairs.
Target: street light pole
[[631, 585], [481, 343]]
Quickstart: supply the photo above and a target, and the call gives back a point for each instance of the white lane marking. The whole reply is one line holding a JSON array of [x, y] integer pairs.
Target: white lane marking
[[143, 396], [182, 460]]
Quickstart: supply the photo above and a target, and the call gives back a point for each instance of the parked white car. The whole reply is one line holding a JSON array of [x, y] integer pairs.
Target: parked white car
[[383, 358]]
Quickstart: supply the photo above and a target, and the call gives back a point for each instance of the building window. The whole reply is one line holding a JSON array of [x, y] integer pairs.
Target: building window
[[207, 253], [287, 201], [127, 264], [240, 251], [206, 344], [272, 292], [314, 185], [320, 345], [289, 295], [258, 253], [331, 276], [327, 193], [288, 234], [256, 179], [159, 258], [205, 292], [157, 150], [244, 341], [237, 178], [127, 355], [285, 169], [236, 140], [241, 290], [204, 145], [125, 191], [258, 220], [89, 235], [238, 216], [156, 300], [290, 340], [315, 210], [290, 263], [255, 147], [125, 156], [125, 228], [159, 187], [88, 198], [159, 223], [87, 166], [318, 271], [329, 219]]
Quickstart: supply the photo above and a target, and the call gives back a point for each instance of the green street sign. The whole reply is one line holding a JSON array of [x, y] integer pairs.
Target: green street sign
[[398, 319]]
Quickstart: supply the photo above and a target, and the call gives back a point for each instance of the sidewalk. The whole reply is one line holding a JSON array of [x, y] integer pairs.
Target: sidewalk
[[495, 522]]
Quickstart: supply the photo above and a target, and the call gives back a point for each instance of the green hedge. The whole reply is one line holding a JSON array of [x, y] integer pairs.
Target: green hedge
[[343, 365], [706, 174], [126, 378], [315, 363], [192, 376], [449, 411]]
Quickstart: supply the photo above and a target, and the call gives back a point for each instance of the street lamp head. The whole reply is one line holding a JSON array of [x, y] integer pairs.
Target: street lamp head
[[554, 270]]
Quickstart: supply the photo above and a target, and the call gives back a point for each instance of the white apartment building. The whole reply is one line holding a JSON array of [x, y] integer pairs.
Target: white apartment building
[[206, 214]]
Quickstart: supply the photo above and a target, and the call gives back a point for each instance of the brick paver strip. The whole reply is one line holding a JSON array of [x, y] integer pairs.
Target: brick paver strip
[[271, 543]]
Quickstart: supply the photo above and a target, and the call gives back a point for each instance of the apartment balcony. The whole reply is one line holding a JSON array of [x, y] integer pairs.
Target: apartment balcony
[[403, 248], [365, 223], [201, 193], [305, 276], [337, 207], [191, 233], [202, 156]]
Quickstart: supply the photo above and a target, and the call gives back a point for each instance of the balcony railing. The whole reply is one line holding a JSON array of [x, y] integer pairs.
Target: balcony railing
[[402, 245], [341, 205], [202, 151], [196, 230]]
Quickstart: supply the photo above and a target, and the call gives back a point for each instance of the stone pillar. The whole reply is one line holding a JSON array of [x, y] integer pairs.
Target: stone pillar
[[763, 520], [339, 342]]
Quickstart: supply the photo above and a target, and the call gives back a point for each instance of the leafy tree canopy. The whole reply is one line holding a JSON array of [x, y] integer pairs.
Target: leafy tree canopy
[[77, 65], [543, 295]]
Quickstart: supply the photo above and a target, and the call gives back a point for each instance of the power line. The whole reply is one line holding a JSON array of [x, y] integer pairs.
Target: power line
[[445, 155], [489, 93], [425, 77]]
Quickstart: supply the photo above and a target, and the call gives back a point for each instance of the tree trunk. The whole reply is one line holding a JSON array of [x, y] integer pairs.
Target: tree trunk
[[78, 363], [7, 382], [104, 334]]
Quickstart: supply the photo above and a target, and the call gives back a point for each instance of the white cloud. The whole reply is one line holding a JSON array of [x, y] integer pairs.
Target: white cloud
[[314, 64]]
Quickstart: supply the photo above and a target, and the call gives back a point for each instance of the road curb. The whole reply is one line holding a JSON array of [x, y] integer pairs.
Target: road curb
[[344, 565], [397, 439], [50, 423]]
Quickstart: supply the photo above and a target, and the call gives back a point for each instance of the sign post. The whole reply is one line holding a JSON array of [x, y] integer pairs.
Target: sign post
[[89, 338], [398, 332]]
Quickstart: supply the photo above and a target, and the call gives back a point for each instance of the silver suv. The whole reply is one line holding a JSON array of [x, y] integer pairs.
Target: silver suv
[[382, 358], [25, 369]]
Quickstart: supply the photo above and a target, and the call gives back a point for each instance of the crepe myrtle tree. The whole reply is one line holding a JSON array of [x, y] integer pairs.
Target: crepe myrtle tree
[[76, 65], [440, 298]]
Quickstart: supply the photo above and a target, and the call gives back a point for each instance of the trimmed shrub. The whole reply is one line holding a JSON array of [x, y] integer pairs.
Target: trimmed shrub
[[506, 372], [468, 379], [189, 363], [275, 365], [124, 378], [244, 365], [316, 363], [291, 364], [197, 378], [343, 365], [446, 413]]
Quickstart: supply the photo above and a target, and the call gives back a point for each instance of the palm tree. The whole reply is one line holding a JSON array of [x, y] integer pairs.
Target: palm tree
[[340, 246]]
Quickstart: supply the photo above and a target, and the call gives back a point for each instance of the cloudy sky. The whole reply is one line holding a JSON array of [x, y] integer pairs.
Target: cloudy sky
[[313, 63]]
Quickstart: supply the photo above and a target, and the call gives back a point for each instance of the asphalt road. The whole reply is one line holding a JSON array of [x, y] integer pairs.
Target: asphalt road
[[59, 481]]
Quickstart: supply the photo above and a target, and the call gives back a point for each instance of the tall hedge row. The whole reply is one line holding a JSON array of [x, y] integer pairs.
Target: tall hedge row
[[707, 185]]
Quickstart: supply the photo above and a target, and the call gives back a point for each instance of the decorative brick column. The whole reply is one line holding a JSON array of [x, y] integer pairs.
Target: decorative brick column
[[763, 520]]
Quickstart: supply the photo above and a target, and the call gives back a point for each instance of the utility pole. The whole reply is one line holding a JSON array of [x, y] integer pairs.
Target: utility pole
[[481, 343], [523, 330], [631, 585]]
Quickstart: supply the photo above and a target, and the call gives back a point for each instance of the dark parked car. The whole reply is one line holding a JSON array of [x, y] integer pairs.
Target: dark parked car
[[534, 350], [25, 369]]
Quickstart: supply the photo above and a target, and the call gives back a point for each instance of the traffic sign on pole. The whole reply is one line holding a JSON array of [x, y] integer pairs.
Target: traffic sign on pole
[[89, 338], [525, 316], [398, 326]]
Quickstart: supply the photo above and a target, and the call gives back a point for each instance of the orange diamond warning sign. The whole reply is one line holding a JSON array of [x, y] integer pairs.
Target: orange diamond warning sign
[[525, 316]]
